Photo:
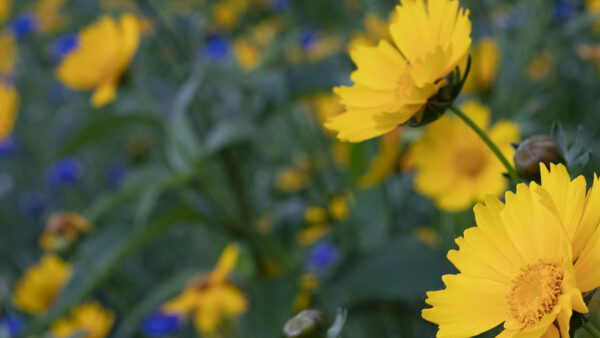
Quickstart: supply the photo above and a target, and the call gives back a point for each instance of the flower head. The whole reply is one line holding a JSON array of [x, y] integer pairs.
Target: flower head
[[40, 285], [484, 66], [526, 263], [63, 228], [9, 108], [454, 166], [217, 47], [393, 83], [90, 317], [210, 299], [5, 6], [63, 46], [8, 53], [14, 324], [24, 25], [63, 172], [161, 324], [104, 51]]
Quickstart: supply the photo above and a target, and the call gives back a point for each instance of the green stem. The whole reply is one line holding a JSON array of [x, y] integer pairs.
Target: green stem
[[484, 136], [591, 330]]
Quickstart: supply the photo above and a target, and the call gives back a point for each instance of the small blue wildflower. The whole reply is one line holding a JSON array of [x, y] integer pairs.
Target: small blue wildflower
[[116, 175], [322, 257], [24, 25], [161, 324], [217, 47], [309, 39], [63, 172], [32, 204], [63, 46], [8, 145], [564, 9], [280, 5], [14, 324]]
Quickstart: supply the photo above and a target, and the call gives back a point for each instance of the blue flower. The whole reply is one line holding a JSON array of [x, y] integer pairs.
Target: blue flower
[[280, 5], [32, 204], [64, 172], [8, 145], [160, 324], [63, 46], [14, 324], [564, 9], [309, 39], [217, 47], [322, 257], [116, 175], [24, 24]]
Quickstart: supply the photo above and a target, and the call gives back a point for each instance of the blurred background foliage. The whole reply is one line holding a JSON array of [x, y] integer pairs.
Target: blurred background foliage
[[216, 136]]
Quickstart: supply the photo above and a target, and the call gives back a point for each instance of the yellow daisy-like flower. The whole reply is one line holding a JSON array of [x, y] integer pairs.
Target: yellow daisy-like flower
[[210, 299], [9, 109], [40, 285], [90, 317], [526, 263], [393, 83], [454, 166], [105, 49]]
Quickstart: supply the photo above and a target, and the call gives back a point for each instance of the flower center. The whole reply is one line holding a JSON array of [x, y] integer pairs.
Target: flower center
[[535, 292], [470, 162]]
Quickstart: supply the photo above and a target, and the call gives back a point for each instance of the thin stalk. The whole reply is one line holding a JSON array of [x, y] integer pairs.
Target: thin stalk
[[484, 136], [591, 330]]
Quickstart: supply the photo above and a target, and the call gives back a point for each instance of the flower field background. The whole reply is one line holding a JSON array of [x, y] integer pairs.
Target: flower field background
[[182, 168]]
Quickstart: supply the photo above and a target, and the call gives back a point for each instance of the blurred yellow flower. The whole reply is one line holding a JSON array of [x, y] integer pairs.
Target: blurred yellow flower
[[291, 180], [541, 66], [338, 208], [247, 55], [392, 84], [385, 163], [309, 284], [227, 13], [593, 7], [526, 263], [454, 167], [9, 109], [427, 236], [313, 233], [210, 299], [105, 49], [90, 318], [484, 65], [63, 226], [50, 15], [315, 215], [8, 53], [36, 290], [323, 48], [5, 6]]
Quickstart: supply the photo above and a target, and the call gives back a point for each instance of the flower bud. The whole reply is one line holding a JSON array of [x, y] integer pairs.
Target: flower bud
[[533, 151], [306, 324], [62, 229]]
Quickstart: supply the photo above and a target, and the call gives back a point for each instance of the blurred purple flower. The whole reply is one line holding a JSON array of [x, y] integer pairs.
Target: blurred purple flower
[[64, 172], [280, 5], [564, 9], [217, 47], [8, 145], [14, 324], [116, 175], [309, 39], [161, 324], [24, 25], [322, 257], [63, 46]]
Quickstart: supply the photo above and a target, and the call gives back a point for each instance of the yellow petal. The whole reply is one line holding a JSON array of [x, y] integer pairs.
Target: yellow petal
[[226, 263]]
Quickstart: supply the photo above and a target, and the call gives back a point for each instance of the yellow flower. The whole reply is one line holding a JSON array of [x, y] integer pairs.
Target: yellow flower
[[315, 215], [5, 6], [326, 106], [541, 66], [385, 163], [484, 65], [210, 299], [41, 284], [454, 167], [247, 55], [338, 208], [526, 263], [291, 180], [427, 236], [8, 53], [9, 109], [105, 50], [228, 12], [309, 284], [90, 317], [63, 226], [312, 234], [50, 16], [593, 7], [393, 84]]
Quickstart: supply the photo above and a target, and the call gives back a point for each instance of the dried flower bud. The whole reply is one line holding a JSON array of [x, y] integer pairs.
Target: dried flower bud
[[306, 324], [533, 151], [63, 228]]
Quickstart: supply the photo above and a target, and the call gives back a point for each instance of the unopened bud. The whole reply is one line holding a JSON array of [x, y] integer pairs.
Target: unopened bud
[[306, 324], [533, 151]]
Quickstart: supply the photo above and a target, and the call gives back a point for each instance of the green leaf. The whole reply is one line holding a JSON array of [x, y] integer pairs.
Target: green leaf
[[402, 271], [228, 133], [103, 126]]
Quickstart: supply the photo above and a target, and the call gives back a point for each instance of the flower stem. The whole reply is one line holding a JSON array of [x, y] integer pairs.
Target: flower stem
[[484, 136], [591, 330]]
